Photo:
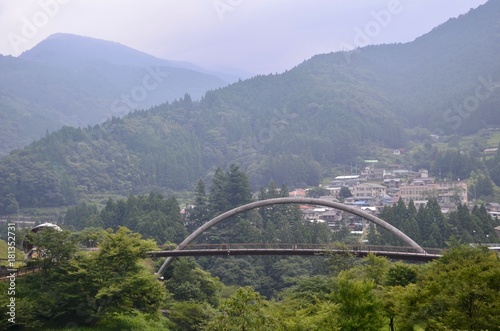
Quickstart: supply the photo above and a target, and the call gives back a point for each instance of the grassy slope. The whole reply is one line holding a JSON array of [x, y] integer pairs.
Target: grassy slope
[[3, 254]]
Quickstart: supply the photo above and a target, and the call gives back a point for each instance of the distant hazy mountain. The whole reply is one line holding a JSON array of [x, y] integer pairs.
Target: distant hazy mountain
[[74, 50], [334, 108], [80, 81]]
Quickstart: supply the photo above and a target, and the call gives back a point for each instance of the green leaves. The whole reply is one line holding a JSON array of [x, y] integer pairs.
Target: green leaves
[[123, 249], [55, 247], [85, 287], [458, 291], [188, 282], [359, 308], [245, 310], [152, 215]]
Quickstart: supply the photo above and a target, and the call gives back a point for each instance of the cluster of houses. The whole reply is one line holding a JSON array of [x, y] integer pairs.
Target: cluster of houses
[[373, 189], [379, 188]]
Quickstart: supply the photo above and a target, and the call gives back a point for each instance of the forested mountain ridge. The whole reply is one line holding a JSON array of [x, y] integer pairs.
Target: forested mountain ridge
[[77, 81], [423, 80], [330, 109]]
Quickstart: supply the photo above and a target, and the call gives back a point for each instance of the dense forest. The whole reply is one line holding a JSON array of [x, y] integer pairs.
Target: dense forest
[[147, 152]]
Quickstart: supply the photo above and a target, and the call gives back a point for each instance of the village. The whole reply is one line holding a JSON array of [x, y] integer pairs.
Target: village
[[375, 188]]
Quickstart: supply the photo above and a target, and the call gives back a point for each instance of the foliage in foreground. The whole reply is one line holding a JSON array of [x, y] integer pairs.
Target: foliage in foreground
[[86, 288], [112, 290]]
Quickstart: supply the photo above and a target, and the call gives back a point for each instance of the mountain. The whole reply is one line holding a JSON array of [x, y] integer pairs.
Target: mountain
[[75, 51], [80, 81], [333, 109]]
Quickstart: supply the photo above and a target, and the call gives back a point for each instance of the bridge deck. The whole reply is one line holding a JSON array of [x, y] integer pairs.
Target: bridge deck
[[393, 252]]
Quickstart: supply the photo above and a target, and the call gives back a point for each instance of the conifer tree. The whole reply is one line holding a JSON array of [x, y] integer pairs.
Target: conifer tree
[[237, 190], [218, 199], [199, 213]]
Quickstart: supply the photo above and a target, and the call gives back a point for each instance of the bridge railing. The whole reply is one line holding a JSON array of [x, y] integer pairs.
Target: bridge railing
[[301, 246], [4, 273]]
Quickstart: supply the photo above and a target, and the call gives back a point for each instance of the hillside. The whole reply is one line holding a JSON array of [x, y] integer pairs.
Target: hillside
[[332, 109], [80, 81]]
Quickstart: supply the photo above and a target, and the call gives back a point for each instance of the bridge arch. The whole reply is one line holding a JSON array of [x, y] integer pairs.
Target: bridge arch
[[291, 200]]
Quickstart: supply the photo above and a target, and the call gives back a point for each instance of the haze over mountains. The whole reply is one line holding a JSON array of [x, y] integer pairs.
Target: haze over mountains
[[79, 81], [331, 109]]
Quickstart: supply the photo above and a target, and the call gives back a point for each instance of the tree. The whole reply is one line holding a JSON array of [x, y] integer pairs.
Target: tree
[[109, 215], [307, 306], [400, 274], [297, 315], [245, 310], [186, 281], [189, 315], [230, 190], [317, 192], [458, 292], [484, 187], [359, 308], [218, 199], [341, 259], [494, 167], [375, 268], [54, 247], [410, 224], [91, 237], [345, 192], [234, 271], [237, 189], [433, 224], [391, 297], [113, 280], [480, 186], [87, 287], [198, 214], [153, 215]]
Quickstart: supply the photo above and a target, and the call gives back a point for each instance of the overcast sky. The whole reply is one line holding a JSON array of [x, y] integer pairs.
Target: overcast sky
[[260, 36]]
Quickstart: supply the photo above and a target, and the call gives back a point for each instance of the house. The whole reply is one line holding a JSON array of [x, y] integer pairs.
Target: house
[[492, 206], [334, 191], [490, 151], [424, 173], [298, 193], [392, 185], [446, 192], [370, 210], [375, 173], [493, 209], [360, 201], [451, 191], [332, 216], [349, 181], [371, 190], [310, 214]]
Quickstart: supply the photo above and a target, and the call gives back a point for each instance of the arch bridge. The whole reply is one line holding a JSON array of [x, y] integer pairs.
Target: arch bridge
[[291, 200]]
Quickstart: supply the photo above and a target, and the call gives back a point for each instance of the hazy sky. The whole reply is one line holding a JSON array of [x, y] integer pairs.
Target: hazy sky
[[260, 36]]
